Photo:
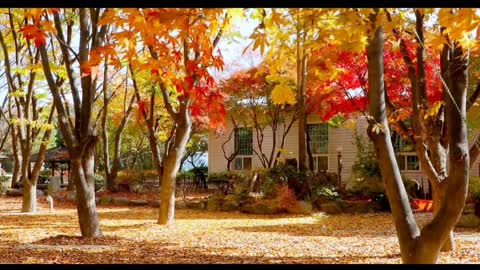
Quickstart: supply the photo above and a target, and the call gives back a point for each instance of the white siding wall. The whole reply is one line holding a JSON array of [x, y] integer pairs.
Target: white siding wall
[[336, 137]]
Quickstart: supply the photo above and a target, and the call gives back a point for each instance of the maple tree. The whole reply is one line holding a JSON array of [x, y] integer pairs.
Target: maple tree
[[32, 116], [250, 103], [293, 35], [180, 48], [431, 146], [346, 94], [352, 36], [121, 118], [79, 135], [399, 69]]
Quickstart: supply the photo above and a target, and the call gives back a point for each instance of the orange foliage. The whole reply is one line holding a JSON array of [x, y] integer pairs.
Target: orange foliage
[[286, 196]]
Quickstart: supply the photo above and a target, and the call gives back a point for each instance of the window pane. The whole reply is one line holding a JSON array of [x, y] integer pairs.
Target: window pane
[[243, 141], [247, 163], [401, 162], [318, 134], [400, 144], [413, 163], [238, 164], [322, 163]]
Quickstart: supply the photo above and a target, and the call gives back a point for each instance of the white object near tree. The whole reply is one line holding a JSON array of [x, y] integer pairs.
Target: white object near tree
[[50, 202]]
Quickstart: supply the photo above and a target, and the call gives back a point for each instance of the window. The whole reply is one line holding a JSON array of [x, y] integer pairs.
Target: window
[[243, 145], [407, 159], [400, 144], [318, 134], [320, 163], [413, 163], [243, 141], [243, 163]]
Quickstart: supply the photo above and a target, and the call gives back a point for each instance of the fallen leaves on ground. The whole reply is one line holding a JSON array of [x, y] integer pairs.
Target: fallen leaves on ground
[[199, 236]]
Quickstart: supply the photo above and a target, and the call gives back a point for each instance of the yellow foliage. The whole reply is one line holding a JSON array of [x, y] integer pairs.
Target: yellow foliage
[[283, 94], [434, 110], [350, 124]]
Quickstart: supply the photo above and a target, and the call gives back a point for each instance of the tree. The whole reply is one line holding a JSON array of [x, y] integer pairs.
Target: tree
[[79, 135], [250, 103], [122, 118], [180, 48], [419, 103], [293, 36], [196, 146], [32, 117], [423, 246]]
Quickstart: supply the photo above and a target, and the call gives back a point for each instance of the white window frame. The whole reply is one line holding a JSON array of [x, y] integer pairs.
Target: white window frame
[[315, 161], [242, 158], [404, 156]]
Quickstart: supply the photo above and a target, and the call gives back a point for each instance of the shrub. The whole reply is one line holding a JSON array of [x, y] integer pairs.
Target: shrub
[[382, 202], [365, 164], [99, 182], [227, 180], [135, 180], [286, 196], [4, 184], [473, 188], [200, 174], [185, 175], [285, 174], [477, 206], [372, 186]]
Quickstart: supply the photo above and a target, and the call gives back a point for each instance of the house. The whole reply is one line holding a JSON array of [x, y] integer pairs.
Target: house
[[327, 144]]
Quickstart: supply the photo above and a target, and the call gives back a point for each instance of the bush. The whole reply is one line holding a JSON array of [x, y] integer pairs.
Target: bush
[[366, 164], [372, 186], [185, 175], [200, 174], [326, 192], [227, 181], [46, 173], [285, 174], [4, 184], [473, 188], [286, 197], [99, 182], [134, 180]]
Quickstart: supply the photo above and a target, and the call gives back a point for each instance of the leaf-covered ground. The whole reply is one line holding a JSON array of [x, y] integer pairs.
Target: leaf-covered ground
[[132, 236]]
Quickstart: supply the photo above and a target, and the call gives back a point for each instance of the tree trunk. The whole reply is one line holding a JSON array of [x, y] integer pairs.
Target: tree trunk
[[171, 166], [302, 119], [16, 169], [106, 153], [83, 175], [438, 196], [71, 182], [112, 176], [16, 155], [420, 246], [29, 203]]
